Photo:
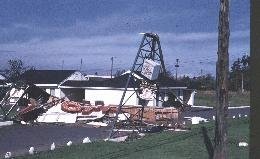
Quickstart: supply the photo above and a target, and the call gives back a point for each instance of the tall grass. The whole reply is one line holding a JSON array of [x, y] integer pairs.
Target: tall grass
[[208, 98]]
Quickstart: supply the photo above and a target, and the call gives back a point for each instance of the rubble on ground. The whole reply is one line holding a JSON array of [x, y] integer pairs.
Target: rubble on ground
[[33, 105]]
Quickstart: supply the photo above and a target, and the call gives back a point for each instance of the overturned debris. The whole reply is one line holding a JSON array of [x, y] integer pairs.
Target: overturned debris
[[32, 104], [151, 114], [89, 112]]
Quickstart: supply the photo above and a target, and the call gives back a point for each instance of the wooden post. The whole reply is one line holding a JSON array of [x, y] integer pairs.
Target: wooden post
[[112, 62], [220, 150], [242, 82]]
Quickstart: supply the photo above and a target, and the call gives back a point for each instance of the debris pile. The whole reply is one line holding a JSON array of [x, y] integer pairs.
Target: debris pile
[[31, 104]]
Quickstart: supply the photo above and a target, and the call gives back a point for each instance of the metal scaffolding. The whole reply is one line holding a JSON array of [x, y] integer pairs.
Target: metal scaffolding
[[150, 49]]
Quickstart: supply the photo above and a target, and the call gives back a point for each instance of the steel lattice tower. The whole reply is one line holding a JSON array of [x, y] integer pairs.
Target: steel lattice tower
[[149, 48]]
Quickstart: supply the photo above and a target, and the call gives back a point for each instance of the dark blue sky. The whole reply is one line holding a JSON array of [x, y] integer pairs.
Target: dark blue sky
[[43, 33]]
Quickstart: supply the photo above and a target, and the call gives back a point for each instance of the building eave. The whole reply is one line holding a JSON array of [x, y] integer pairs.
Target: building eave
[[96, 88], [173, 87], [47, 85]]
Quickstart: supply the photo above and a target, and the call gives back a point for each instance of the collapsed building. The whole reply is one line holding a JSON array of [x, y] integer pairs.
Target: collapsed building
[[74, 86], [143, 94], [99, 93]]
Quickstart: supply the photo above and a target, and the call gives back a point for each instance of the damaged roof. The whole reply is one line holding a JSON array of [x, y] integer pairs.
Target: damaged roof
[[120, 82], [169, 82], [117, 82], [46, 76]]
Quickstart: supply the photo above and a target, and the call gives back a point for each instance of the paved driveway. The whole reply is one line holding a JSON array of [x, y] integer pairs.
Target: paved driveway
[[19, 138]]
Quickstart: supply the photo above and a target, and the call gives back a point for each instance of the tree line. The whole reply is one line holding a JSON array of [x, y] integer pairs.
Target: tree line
[[239, 79]]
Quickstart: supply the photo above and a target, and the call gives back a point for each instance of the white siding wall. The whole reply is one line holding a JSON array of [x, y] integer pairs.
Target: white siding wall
[[48, 91], [62, 94], [109, 96], [191, 99], [114, 97], [57, 93]]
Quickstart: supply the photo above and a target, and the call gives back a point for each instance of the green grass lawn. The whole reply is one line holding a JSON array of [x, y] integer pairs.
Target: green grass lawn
[[181, 145], [208, 98]]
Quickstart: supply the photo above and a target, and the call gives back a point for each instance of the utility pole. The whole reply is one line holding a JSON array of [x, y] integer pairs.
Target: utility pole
[[220, 149], [242, 82], [176, 66], [62, 64], [81, 62], [201, 79], [112, 62]]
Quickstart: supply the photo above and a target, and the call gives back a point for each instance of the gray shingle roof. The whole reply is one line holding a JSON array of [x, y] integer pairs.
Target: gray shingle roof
[[120, 82], [46, 76]]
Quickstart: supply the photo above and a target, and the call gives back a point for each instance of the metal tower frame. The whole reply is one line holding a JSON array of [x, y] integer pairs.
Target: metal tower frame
[[150, 48]]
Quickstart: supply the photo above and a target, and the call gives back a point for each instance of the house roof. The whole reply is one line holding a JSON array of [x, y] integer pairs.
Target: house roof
[[164, 81], [117, 82], [120, 82], [2, 77], [97, 78], [169, 82], [46, 76]]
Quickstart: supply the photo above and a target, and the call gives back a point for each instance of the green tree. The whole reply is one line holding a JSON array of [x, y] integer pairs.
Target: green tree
[[239, 74], [245, 61], [208, 82], [15, 69], [204, 82]]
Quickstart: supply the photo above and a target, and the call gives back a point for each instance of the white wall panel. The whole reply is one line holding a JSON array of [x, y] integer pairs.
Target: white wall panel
[[109, 96], [57, 93]]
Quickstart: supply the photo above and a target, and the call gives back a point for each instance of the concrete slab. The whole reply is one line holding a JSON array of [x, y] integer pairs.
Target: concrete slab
[[6, 123]]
